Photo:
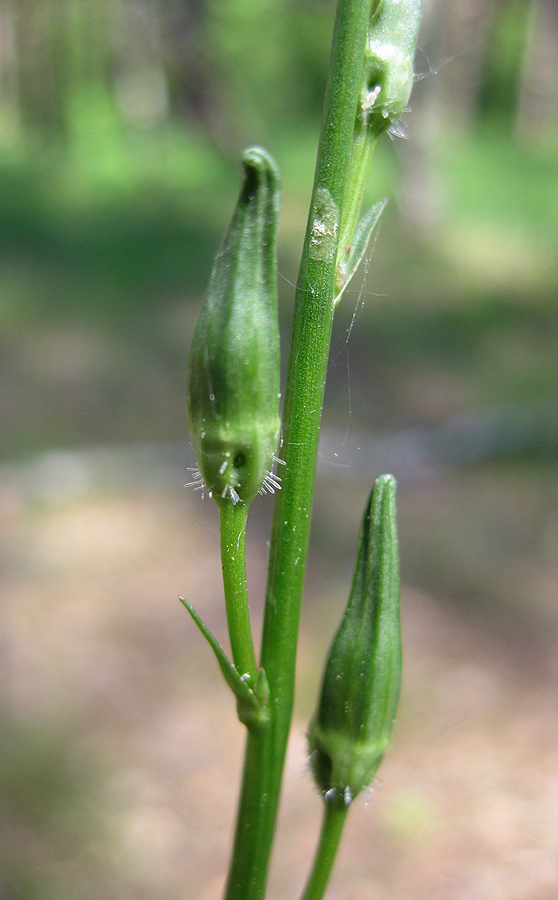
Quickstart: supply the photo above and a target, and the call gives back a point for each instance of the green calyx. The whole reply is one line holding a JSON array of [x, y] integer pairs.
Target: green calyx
[[351, 729], [388, 62], [233, 384]]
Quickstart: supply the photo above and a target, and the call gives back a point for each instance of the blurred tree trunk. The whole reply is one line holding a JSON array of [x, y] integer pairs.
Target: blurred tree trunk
[[497, 61], [461, 50], [537, 110], [8, 66], [33, 65], [57, 46]]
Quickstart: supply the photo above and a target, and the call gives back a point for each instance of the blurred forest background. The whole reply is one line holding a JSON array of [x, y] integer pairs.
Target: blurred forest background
[[121, 127]]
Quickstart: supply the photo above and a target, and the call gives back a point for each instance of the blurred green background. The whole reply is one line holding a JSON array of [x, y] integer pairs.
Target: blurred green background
[[121, 128]]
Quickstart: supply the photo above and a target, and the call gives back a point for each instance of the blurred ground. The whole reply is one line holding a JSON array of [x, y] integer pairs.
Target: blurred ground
[[121, 752]]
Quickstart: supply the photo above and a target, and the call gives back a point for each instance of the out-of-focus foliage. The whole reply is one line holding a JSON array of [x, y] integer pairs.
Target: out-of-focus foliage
[[121, 127], [73, 67]]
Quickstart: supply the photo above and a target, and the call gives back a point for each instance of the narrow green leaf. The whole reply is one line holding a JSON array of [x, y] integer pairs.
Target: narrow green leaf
[[347, 267]]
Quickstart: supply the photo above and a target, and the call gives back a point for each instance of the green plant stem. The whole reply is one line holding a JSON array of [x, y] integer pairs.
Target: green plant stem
[[266, 747], [233, 560], [364, 145], [332, 829]]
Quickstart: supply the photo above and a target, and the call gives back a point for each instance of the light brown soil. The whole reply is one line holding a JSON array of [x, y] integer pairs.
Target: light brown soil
[[124, 753]]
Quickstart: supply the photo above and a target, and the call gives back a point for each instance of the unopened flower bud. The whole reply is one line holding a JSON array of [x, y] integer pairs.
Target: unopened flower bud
[[233, 384], [351, 728], [389, 54]]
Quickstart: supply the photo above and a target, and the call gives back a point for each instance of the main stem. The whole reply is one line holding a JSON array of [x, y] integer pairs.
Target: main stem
[[266, 746]]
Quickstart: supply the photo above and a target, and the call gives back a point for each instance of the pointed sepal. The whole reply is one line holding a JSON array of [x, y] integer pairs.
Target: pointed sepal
[[251, 698], [352, 256]]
